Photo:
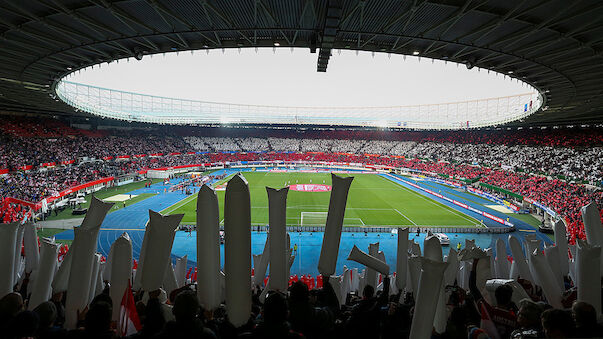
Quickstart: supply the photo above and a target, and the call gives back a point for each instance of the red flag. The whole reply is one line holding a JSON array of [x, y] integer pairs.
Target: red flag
[[129, 323]]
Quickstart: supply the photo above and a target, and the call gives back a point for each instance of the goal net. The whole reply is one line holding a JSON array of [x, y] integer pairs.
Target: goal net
[[313, 218]]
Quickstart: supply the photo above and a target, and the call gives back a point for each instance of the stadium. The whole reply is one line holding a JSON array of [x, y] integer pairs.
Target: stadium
[[324, 168]]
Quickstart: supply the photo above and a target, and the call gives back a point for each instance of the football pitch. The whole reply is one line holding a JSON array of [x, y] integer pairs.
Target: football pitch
[[372, 201]]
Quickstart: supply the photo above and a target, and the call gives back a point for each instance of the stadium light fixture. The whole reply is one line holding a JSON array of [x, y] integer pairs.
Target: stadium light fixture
[[276, 43], [510, 72], [415, 53]]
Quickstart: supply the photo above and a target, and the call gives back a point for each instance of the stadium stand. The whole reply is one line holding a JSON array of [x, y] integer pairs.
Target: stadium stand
[[549, 166]]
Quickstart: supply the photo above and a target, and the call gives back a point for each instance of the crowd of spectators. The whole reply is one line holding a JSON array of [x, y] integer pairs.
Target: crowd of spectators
[[572, 163], [308, 312], [511, 159]]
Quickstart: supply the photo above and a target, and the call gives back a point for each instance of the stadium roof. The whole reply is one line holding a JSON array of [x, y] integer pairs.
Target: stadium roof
[[555, 45]]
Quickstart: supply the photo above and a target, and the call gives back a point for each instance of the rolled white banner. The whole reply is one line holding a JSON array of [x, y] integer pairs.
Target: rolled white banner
[[355, 282], [180, 270], [463, 274], [490, 254], [208, 248], [289, 263], [237, 250], [433, 251], [370, 276], [346, 281], [41, 289], [592, 224], [415, 249], [332, 233], [32, 252], [593, 228], [335, 282], [589, 282], [94, 276], [277, 221], [453, 267], [573, 264], [78, 286], [17, 248], [137, 285], [519, 259], [518, 292], [100, 285], [82, 260], [255, 261], [262, 267], [61, 277], [532, 245], [561, 242], [414, 272], [402, 258], [121, 271], [501, 262], [109, 261], [381, 256], [432, 273], [361, 281], [8, 239], [551, 254], [368, 260], [483, 273], [432, 248], [393, 289], [170, 283], [544, 275], [161, 232]]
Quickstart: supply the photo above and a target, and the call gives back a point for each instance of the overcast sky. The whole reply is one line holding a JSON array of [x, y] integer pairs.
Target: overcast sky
[[289, 78]]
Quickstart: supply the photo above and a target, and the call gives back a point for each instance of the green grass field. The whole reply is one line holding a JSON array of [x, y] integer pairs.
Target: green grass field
[[372, 201]]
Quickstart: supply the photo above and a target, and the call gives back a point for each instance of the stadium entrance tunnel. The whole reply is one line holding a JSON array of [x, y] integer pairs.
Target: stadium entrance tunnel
[[269, 86]]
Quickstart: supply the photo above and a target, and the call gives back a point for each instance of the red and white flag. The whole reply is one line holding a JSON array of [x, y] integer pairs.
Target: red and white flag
[[129, 323], [487, 324]]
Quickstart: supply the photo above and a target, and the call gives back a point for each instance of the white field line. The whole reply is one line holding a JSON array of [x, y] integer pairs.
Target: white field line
[[407, 218], [457, 213], [178, 204]]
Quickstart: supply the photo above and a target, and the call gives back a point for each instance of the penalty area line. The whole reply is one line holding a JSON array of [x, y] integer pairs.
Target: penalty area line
[[407, 218]]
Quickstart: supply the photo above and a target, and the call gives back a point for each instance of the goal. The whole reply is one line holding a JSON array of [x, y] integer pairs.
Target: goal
[[320, 219], [313, 218]]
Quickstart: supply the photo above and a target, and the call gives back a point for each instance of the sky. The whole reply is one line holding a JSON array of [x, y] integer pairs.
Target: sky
[[286, 77]]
